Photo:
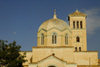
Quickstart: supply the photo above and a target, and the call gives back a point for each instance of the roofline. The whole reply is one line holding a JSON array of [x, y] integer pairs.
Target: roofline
[[82, 14], [47, 57], [52, 47], [25, 51], [53, 56], [85, 51]]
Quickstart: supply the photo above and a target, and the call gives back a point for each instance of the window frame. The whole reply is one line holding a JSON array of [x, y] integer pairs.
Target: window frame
[[81, 24], [66, 39], [73, 24], [79, 48], [54, 38], [42, 39], [77, 39], [75, 48], [77, 24]]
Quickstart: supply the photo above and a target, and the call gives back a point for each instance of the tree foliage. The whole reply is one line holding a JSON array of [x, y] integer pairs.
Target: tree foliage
[[10, 54]]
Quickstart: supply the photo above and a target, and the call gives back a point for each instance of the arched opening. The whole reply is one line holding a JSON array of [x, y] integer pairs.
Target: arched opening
[[81, 26], [79, 48], [42, 39], [52, 66], [77, 24], [77, 39], [54, 38], [74, 24], [75, 48], [66, 39]]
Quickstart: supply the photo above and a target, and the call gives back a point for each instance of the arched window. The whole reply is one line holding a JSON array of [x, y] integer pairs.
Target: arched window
[[75, 48], [79, 48], [54, 38], [81, 26], [66, 39], [77, 24], [42, 38], [74, 24], [51, 66], [77, 39]]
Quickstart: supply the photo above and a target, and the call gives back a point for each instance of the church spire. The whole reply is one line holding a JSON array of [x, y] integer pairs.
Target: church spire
[[54, 16]]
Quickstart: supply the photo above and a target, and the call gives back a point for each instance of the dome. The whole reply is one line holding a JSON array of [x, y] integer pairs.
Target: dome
[[54, 23]]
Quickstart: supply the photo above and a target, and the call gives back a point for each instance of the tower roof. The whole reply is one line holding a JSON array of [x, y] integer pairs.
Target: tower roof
[[77, 13]]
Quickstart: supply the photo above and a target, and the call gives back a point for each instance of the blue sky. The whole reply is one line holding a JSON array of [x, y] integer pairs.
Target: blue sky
[[20, 19]]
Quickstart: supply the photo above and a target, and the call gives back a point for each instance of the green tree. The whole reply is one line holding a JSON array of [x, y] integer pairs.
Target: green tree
[[10, 54]]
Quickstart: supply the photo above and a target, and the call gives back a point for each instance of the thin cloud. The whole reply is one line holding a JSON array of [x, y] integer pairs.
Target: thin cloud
[[14, 33], [93, 20]]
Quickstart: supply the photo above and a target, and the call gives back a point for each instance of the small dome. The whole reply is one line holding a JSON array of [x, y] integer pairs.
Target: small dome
[[54, 23]]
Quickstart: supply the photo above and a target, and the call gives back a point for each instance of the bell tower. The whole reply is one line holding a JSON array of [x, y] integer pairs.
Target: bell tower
[[77, 23]]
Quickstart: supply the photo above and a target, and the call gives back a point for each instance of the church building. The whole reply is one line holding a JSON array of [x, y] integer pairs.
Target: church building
[[62, 45]]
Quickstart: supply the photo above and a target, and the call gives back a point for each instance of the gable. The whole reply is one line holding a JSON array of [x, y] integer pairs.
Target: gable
[[51, 58]]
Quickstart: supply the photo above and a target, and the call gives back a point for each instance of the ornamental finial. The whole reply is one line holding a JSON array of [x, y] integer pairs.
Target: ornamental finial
[[77, 10], [55, 17]]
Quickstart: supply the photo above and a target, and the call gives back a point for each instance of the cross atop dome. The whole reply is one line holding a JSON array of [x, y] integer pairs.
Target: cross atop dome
[[54, 16]]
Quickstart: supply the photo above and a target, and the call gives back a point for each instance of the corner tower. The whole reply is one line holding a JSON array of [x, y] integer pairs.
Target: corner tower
[[77, 23]]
